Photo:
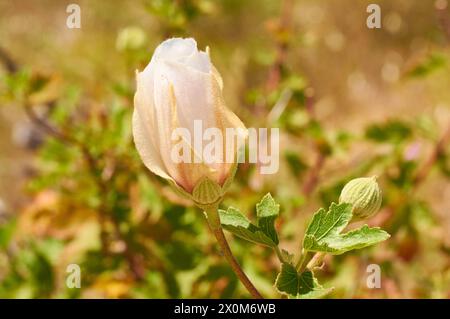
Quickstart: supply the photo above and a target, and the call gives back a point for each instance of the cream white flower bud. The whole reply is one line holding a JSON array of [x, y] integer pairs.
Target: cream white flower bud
[[178, 89], [364, 195]]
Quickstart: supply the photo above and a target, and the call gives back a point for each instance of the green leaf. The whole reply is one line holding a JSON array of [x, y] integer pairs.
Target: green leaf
[[296, 164], [431, 64], [394, 131], [288, 280], [310, 288], [264, 233], [304, 286], [235, 222], [324, 232], [267, 210], [6, 233]]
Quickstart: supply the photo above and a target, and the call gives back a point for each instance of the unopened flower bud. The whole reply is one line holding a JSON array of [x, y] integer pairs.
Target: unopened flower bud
[[181, 91], [364, 195]]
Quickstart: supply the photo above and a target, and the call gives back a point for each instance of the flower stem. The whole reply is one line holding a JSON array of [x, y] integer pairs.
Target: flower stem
[[304, 257], [212, 216], [279, 254], [315, 260], [308, 260]]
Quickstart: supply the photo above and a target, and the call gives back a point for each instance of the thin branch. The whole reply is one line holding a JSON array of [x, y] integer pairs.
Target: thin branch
[[279, 254], [444, 21], [315, 260], [282, 45], [94, 169], [384, 216], [216, 228], [8, 62], [312, 178], [438, 150]]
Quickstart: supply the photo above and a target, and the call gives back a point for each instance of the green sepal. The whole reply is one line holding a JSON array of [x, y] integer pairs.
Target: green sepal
[[207, 193]]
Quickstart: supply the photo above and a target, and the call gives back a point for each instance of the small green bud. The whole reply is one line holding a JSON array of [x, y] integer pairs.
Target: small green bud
[[364, 195]]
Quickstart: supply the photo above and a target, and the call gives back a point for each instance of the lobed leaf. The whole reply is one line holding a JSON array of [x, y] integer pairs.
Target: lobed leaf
[[264, 232], [296, 285], [324, 232], [267, 210], [235, 222]]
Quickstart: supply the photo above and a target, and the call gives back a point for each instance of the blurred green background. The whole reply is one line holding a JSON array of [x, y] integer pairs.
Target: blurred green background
[[349, 101]]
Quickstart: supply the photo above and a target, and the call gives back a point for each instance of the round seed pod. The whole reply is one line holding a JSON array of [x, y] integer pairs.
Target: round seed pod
[[364, 195]]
